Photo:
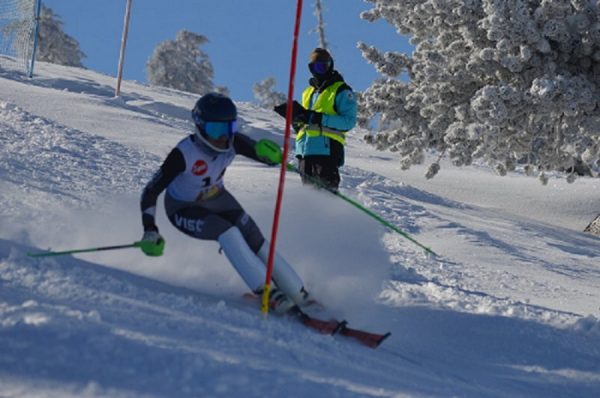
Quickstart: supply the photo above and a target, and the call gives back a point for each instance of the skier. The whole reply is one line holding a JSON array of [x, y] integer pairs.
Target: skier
[[327, 113], [198, 204]]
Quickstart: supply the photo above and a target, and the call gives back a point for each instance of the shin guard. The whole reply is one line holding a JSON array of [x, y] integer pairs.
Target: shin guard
[[284, 276], [246, 263]]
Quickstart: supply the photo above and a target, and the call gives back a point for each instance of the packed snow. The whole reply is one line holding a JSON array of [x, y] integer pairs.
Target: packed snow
[[509, 307]]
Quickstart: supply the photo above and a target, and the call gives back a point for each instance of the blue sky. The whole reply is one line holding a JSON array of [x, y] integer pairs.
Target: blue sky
[[250, 40]]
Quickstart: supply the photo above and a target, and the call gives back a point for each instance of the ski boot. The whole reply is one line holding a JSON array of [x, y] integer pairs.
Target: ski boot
[[279, 302]]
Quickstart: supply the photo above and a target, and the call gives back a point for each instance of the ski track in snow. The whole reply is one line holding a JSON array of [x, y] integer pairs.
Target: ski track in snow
[[64, 162], [69, 296], [460, 286], [508, 308]]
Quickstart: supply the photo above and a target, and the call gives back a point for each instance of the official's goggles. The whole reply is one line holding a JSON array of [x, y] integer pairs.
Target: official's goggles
[[216, 130], [319, 67]]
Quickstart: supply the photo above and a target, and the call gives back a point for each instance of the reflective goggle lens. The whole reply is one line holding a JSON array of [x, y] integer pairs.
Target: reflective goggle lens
[[319, 67], [218, 129]]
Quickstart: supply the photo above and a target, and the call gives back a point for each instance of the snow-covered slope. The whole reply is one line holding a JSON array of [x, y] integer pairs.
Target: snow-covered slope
[[510, 306]]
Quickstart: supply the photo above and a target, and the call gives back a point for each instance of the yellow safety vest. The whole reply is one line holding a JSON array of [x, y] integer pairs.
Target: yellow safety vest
[[324, 104]]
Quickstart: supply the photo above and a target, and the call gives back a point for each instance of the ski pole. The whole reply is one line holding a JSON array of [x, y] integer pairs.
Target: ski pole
[[370, 213], [91, 249]]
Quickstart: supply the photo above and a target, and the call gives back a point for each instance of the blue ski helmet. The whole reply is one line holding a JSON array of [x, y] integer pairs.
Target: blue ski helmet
[[215, 116]]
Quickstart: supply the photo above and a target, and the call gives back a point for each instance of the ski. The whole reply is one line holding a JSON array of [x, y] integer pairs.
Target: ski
[[335, 327], [332, 326], [369, 339]]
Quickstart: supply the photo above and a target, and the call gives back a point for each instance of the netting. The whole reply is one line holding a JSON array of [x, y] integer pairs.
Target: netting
[[17, 30]]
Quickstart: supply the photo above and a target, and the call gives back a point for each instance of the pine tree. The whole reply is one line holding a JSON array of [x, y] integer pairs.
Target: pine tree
[[594, 226], [265, 94], [55, 45], [505, 81], [182, 65]]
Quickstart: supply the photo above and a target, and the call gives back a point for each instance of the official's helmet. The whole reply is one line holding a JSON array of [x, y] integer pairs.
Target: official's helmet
[[320, 63]]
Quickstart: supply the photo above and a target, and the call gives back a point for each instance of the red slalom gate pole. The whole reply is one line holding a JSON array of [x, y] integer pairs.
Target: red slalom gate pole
[[264, 308]]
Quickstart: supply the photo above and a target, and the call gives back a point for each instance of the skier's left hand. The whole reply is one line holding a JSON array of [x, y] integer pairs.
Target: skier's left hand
[[268, 152]]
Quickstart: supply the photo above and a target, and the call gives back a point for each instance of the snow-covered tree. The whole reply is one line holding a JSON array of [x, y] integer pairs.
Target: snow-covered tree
[[55, 45], [594, 226], [182, 65], [320, 24], [505, 81], [265, 94]]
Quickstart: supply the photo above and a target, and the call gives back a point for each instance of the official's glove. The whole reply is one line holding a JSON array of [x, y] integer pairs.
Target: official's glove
[[300, 114], [268, 152], [152, 244], [315, 118]]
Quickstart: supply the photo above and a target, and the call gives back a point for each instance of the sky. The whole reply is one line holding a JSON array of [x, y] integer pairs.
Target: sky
[[239, 60], [507, 308]]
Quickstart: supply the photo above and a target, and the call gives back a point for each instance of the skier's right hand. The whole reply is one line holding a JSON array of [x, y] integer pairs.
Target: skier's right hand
[[152, 244]]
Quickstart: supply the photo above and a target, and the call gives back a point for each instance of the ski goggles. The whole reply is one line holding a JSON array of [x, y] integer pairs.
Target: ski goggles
[[216, 130], [319, 67]]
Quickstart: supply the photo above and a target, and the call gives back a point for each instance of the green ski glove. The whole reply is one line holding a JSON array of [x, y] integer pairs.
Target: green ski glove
[[152, 244], [268, 151]]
